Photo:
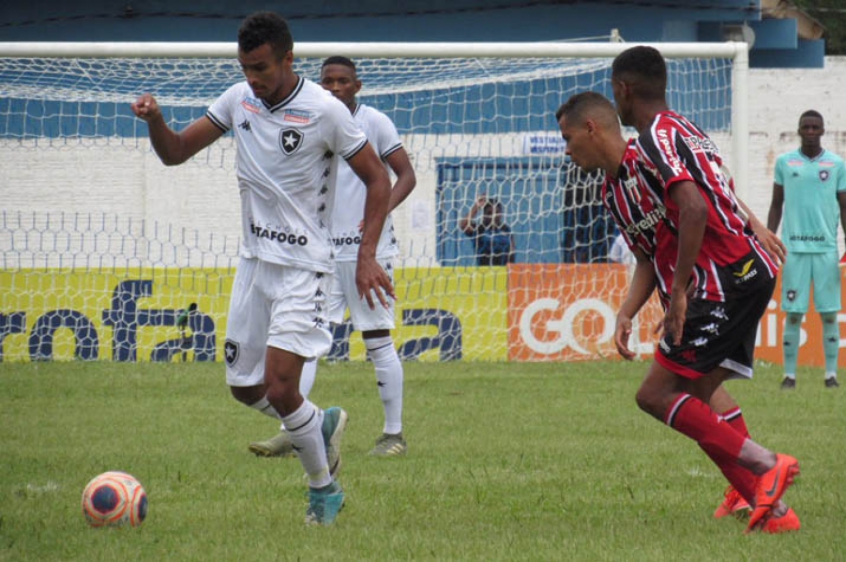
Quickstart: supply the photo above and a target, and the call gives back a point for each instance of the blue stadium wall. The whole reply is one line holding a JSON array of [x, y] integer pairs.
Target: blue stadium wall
[[364, 20], [525, 107], [412, 20]]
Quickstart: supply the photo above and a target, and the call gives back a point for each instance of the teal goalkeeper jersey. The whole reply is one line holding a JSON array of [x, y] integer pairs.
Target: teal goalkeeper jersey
[[811, 211]]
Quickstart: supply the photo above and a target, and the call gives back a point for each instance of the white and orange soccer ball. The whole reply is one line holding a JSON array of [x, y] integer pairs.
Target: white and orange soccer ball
[[114, 499]]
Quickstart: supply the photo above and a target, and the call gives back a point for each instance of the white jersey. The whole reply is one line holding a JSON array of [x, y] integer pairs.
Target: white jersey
[[286, 166], [351, 193]]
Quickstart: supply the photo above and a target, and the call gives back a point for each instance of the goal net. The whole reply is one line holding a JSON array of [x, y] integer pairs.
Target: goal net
[[108, 254]]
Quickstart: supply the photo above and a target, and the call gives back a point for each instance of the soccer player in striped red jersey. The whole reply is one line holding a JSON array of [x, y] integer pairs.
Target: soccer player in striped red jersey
[[674, 150], [717, 339], [721, 286]]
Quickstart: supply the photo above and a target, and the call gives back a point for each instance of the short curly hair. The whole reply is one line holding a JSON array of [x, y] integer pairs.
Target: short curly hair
[[343, 61], [581, 105], [811, 113], [644, 69], [265, 27]]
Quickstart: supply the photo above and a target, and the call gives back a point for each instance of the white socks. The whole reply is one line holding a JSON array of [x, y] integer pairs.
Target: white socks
[[307, 377], [305, 428], [266, 408], [389, 377]]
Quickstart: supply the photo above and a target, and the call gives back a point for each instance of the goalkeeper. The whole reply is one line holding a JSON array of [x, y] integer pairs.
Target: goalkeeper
[[808, 182]]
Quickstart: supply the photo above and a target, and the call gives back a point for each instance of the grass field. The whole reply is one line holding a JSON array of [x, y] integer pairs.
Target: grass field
[[506, 462]]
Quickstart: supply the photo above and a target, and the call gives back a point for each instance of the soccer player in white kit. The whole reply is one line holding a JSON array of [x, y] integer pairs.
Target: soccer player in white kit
[[338, 75], [290, 134]]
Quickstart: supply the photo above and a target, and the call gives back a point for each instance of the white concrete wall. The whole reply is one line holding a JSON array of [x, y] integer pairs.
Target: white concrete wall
[[777, 98], [201, 196]]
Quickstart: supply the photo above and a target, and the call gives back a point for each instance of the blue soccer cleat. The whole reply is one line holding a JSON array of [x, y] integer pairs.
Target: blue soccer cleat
[[324, 504]]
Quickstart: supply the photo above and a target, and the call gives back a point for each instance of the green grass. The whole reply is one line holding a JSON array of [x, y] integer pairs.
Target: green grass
[[506, 462]]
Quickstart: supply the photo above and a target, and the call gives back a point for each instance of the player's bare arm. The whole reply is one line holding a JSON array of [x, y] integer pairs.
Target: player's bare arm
[[406, 179], [693, 215], [171, 147], [776, 207], [640, 289], [370, 278]]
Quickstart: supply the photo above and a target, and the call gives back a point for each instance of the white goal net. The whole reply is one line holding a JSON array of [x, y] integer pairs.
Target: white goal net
[[108, 254]]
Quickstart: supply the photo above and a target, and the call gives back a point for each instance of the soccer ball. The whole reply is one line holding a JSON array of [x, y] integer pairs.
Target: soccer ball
[[114, 499]]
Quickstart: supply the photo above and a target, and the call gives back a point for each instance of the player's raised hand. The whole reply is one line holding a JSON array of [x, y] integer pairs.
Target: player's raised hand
[[622, 333], [371, 279], [146, 107]]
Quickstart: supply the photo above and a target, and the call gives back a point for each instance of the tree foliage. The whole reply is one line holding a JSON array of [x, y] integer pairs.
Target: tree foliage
[[832, 14]]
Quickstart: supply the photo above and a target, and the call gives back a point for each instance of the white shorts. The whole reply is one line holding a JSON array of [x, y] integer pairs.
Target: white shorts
[[344, 294], [273, 306]]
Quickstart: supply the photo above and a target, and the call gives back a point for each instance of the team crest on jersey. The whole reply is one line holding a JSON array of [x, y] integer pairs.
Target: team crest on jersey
[[231, 351], [290, 140], [633, 188], [824, 175]]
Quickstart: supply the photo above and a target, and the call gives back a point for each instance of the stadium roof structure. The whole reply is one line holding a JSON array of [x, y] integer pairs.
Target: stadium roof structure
[[780, 35]]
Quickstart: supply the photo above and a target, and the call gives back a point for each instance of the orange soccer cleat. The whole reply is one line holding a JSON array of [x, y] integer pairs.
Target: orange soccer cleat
[[771, 486], [787, 522], [733, 504]]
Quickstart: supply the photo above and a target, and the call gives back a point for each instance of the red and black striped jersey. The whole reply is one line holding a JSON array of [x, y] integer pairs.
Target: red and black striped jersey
[[639, 212], [672, 150]]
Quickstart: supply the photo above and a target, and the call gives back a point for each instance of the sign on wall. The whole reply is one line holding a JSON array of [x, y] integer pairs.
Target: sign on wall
[[523, 312]]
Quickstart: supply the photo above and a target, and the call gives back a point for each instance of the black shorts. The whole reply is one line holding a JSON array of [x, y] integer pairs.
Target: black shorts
[[720, 334]]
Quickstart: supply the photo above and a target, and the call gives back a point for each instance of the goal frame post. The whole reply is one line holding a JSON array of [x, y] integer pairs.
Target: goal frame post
[[738, 52], [487, 327]]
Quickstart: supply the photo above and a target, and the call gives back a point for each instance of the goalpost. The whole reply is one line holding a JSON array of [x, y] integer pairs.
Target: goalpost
[[108, 254]]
